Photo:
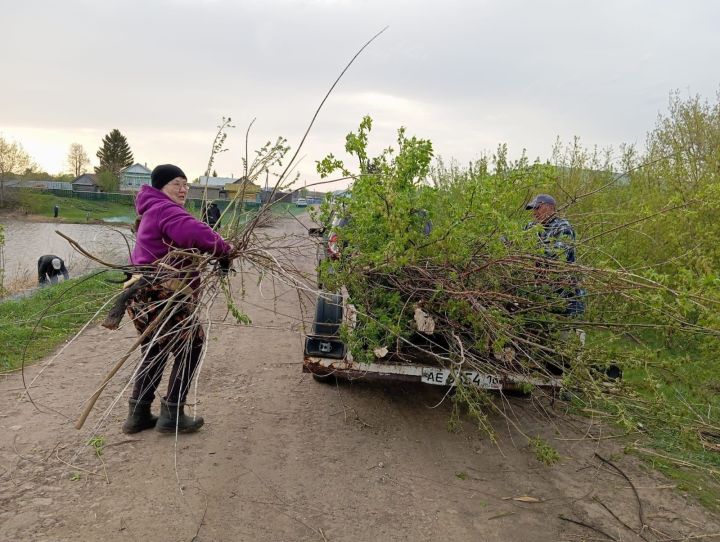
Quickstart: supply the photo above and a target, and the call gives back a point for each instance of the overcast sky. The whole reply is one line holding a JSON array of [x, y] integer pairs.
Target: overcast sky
[[465, 74]]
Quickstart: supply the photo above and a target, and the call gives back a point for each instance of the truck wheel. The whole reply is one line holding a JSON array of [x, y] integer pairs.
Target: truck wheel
[[325, 379], [328, 314]]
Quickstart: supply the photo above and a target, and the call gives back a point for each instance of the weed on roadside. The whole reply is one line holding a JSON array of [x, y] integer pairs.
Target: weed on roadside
[[97, 443], [544, 452]]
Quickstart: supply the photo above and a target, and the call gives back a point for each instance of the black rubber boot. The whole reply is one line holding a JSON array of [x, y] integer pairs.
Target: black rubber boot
[[139, 417], [173, 418]]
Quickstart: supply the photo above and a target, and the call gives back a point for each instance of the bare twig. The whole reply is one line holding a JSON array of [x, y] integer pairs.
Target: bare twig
[[202, 521], [641, 535], [641, 512], [587, 526]]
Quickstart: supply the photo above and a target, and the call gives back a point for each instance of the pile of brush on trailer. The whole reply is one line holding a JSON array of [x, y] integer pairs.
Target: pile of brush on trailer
[[442, 267]]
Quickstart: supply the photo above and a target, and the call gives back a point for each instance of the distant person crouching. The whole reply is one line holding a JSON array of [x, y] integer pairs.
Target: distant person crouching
[[50, 268]]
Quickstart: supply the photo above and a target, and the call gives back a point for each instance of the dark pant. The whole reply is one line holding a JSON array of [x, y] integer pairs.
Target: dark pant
[[150, 371], [179, 335]]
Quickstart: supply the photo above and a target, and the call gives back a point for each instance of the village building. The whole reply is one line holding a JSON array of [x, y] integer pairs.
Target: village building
[[87, 182], [223, 188], [133, 177], [242, 190]]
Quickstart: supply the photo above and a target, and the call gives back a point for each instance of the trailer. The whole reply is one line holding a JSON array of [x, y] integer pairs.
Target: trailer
[[327, 358]]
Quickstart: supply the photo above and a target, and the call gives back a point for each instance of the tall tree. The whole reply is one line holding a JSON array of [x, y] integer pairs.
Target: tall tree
[[77, 159], [13, 161], [114, 154]]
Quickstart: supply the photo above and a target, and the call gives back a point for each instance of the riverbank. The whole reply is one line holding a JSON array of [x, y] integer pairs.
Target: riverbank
[[39, 207], [26, 241], [36, 206]]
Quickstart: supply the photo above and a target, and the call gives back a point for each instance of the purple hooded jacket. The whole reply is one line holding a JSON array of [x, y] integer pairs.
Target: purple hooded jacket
[[166, 225]]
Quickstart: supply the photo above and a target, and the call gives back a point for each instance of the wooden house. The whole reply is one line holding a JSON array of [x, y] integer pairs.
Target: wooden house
[[87, 182], [133, 177]]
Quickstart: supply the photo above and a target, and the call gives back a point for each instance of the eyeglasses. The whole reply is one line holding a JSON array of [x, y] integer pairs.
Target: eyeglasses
[[179, 184]]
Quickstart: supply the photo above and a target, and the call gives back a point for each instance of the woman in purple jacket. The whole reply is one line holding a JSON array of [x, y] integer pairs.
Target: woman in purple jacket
[[165, 226]]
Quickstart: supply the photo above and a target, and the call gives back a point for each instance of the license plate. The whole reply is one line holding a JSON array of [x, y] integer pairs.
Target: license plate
[[443, 377]]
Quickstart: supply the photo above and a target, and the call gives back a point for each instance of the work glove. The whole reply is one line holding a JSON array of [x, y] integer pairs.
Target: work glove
[[224, 266]]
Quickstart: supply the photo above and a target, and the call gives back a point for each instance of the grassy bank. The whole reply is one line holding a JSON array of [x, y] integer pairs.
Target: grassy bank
[[679, 413], [73, 209], [669, 404], [32, 327]]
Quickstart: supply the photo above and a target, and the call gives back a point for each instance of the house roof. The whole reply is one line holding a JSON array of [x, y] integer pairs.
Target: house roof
[[242, 184], [246, 181], [136, 168], [214, 181], [86, 179]]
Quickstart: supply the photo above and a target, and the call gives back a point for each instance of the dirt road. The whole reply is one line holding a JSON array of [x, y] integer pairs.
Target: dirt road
[[284, 458]]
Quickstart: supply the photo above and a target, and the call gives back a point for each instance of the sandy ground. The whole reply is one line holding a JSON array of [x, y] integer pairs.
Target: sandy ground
[[284, 458]]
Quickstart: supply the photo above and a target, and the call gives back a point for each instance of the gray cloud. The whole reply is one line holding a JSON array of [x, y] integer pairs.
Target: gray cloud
[[465, 74]]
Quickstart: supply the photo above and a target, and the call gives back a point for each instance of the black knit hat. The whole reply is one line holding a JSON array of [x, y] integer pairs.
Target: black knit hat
[[165, 173]]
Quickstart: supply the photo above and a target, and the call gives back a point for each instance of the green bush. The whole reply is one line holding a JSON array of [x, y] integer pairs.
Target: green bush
[[647, 225]]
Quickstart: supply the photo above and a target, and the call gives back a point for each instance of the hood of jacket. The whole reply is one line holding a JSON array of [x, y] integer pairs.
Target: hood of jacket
[[165, 225], [151, 198]]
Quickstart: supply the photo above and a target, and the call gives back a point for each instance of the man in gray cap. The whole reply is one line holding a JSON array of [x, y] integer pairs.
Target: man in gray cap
[[558, 241], [50, 268], [557, 235]]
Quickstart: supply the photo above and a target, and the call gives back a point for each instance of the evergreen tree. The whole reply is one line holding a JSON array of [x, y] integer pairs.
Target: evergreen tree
[[114, 154]]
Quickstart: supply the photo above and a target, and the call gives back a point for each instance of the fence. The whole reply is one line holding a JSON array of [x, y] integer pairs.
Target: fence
[[196, 204], [128, 199]]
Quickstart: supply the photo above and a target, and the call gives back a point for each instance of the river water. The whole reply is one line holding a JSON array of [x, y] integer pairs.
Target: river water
[[25, 242]]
